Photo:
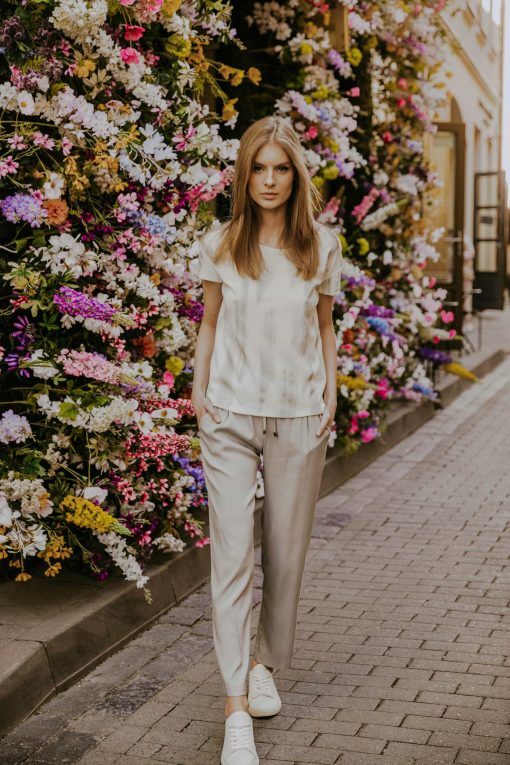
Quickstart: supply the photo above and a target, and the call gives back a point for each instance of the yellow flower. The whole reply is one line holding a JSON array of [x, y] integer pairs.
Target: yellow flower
[[363, 246], [308, 99], [254, 75], [55, 548], [169, 7], [321, 93], [332, 145], [23, 577], [305, 48], [53, 570], [311, 29], [233, 75], [174, 365], [353, 383], [343, 242], [86, 514], [458, 369], [330, 172], [228, 110], [85, 67], [318, 182], [178, 46], [354, 56]]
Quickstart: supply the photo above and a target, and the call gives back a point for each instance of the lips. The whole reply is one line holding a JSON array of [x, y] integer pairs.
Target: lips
[[269, 195]]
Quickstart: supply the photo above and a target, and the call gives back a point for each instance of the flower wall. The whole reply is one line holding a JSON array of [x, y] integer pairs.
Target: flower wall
[[109, 162], [362, 115]]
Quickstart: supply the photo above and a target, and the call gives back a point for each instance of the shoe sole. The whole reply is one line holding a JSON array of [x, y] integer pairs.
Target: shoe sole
[[223, 762], [265, 713]]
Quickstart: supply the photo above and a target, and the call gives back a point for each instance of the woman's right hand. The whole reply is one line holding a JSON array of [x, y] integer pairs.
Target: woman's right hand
[[201, 405]]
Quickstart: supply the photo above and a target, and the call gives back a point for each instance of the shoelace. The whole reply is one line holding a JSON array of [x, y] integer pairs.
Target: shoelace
[[241, 736], [263, 684]]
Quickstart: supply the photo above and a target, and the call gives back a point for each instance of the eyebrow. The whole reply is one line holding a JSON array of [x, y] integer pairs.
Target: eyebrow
[[278, 164]]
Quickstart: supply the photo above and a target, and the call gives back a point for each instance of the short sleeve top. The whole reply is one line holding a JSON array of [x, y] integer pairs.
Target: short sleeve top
[[267, 357]]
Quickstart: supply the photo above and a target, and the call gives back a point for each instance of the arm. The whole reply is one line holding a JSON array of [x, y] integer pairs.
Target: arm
[[205, 343], [328, 339]]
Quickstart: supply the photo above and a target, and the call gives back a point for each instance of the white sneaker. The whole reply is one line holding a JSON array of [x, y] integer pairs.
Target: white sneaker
[[239, 744], [263, 698]]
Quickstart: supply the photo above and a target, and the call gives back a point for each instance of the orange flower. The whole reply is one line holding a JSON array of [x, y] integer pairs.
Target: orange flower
[[146, 346], [254, 75], [57, 211]]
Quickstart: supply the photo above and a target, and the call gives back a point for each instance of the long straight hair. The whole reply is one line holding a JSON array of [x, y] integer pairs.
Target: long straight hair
[[241, 232]]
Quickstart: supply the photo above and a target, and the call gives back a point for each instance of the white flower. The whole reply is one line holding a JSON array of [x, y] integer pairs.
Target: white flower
[[25, 102], [169, 543], [94, 493], [14, 428], [5, 512], [144, 421], [53, 188], [41, 370]]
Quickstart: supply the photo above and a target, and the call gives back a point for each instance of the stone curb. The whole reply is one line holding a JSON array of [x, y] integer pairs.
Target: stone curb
[[55, 653]]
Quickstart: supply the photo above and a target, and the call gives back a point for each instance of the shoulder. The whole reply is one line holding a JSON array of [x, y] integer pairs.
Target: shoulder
[[210, 241], [328, 239]]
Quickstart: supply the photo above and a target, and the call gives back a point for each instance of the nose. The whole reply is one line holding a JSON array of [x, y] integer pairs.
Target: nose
[[269, 179]]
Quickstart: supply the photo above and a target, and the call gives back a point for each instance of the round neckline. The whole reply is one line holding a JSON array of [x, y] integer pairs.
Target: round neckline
[[276, 249]]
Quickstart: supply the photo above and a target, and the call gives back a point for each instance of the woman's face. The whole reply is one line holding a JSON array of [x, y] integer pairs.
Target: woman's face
[[271, 177]]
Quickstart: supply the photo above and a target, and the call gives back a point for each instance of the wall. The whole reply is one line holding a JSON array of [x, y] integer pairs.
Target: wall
[[476, 85]]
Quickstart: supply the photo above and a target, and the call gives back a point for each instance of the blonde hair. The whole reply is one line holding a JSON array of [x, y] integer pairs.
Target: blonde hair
[[241, 233]]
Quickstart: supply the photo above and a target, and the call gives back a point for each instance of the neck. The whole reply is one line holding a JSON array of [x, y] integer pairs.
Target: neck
[[272, 225]]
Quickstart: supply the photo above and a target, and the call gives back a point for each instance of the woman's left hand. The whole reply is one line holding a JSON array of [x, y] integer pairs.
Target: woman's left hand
[[328, 417]]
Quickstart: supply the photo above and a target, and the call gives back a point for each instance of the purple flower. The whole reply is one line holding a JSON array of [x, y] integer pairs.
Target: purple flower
[[12, 360], [74, 303], [23, 207], [437, 357], [378, 310]]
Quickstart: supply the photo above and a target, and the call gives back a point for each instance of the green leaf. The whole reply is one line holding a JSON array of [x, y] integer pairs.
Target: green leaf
[[68, 410]]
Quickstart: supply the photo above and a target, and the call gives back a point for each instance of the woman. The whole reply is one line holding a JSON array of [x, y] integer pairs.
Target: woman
[[264, 382]]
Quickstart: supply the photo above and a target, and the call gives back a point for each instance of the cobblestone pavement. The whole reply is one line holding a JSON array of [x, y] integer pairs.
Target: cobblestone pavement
[[402, 651]]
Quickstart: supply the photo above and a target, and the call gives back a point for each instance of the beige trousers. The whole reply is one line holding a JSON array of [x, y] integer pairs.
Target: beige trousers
[[293, 464]]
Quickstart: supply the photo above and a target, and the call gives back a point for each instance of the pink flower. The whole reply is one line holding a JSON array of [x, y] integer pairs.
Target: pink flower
[[401, 102], [432, 281], [67, 146], [127, 2], [447, 316], [16, 142], [354, 427], [354, 92], [311, 133], [8, 167], [387, 137], [43, 140], [363, 414], [168, 379], [368, 435], [402, 83], [130, 56], [133, 32]]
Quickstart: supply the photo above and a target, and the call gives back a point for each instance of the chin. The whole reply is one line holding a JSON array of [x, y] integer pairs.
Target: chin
[[270, 203]]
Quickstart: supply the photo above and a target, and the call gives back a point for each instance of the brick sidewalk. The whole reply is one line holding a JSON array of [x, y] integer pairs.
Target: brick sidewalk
[[402, 653]]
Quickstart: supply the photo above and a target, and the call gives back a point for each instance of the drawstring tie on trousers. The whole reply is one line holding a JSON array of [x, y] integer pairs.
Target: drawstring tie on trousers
[[264, 426]]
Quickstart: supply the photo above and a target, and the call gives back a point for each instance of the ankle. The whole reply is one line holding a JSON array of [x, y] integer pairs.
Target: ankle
[[235, 704], [254, 664]]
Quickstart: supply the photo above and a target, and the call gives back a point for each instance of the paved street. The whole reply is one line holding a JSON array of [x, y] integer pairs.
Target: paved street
[[403, 649]]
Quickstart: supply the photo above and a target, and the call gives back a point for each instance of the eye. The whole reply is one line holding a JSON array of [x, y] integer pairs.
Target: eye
[[257, 168], [283, 168]]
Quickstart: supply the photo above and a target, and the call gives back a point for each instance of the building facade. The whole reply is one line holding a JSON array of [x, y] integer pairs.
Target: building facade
[[467, 153]]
